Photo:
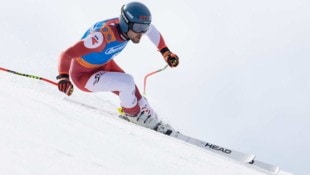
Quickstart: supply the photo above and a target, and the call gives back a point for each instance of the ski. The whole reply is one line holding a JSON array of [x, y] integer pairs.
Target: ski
[[229, 153], [248, 159], [233, 154], [266, 167]]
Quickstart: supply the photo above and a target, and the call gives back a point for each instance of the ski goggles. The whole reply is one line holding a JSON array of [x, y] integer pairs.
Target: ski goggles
[[139, 27]]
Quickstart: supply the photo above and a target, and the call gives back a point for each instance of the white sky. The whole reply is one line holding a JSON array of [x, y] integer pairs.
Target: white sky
[[243, 81]]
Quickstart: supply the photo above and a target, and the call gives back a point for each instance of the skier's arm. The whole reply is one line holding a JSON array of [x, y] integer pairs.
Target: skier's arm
[[93, 43], [66, 56], [157, 39]]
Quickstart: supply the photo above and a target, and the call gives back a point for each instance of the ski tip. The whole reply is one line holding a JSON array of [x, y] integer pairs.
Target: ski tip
[[266, 166]]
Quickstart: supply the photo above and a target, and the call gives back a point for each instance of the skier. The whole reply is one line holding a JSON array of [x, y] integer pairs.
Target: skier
[[90, 66]]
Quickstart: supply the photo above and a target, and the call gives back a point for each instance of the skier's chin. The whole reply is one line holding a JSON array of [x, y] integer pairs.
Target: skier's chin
[[134, 37], [135, 40]]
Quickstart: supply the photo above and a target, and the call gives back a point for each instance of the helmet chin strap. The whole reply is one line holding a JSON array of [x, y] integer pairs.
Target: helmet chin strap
[[123, 35]]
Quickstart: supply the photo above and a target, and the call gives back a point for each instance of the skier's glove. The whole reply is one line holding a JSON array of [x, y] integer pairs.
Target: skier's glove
[[64, 84], [171, 58]]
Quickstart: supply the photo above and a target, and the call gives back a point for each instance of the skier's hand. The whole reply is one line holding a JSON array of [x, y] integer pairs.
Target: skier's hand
[[171, 58], [64, 84]]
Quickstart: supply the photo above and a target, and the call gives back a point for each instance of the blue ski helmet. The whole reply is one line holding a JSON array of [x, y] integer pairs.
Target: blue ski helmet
[[136, 17]]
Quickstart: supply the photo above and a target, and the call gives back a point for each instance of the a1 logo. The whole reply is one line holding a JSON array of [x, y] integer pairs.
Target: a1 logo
[[93, 40]]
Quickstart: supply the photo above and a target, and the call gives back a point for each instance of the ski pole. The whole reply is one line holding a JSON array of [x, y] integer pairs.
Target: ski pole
[[29, 76], [149, 74]]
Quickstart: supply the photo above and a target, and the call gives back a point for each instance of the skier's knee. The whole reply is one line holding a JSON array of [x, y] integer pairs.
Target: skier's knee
[[128, 83]]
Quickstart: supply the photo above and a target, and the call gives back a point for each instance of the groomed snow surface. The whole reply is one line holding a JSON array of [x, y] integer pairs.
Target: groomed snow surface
[[41, 133]]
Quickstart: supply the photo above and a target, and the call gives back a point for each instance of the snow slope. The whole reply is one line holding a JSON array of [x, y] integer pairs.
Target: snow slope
[[41, 133]]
